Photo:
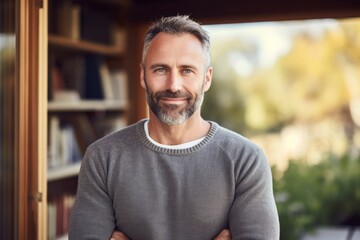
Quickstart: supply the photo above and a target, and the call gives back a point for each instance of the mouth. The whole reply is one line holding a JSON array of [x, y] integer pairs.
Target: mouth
[[173, 101]]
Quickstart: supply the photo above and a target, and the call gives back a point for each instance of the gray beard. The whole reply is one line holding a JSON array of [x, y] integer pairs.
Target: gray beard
[[172, 114]]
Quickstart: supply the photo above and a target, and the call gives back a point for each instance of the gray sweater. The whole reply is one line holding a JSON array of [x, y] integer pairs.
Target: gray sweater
[[129, 184]]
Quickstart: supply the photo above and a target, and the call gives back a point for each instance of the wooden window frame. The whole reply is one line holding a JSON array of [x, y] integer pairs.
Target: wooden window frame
[[30, 119]]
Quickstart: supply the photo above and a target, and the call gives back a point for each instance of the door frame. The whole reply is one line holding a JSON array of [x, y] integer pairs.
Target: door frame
[[30, 120]]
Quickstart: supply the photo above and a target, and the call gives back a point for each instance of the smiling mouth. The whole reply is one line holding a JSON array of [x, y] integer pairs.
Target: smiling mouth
[[172, 98], [176, 101]]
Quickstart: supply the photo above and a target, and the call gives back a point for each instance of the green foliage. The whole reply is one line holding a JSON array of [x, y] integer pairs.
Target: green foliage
[[309, 196], [315, 79], [222, 101], [304, 84]]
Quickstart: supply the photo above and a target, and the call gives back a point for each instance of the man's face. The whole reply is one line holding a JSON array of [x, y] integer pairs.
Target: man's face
[[174, 77]]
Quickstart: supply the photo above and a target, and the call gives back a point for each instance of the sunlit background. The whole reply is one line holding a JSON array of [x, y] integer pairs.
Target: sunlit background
[[294, 88]]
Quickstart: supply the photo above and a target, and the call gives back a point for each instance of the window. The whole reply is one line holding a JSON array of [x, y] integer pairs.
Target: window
[[293, 87]]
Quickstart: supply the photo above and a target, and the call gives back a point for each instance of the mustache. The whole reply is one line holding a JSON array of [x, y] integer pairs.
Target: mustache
[[169, 94]]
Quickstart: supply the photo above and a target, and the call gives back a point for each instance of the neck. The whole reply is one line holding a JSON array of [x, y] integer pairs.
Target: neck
[[193, 128]]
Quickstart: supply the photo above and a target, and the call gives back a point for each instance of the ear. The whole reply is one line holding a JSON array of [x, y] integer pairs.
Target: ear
[[142, 76], [208, 79]]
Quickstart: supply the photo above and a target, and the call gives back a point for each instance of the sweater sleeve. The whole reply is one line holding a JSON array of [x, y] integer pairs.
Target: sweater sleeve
[[92, 216], [253, 214]]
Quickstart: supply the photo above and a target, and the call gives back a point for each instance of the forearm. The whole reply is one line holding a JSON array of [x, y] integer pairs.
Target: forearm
[[92, 215], [253, 214], [261, 223], [223, 235]]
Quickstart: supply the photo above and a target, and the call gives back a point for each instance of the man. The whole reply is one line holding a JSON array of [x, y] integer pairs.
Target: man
[[175, 175]]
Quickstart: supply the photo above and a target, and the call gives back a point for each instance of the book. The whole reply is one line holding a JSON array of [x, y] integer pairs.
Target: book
[[63, 19], [63, 145], [51, 220], [70, 148], [66, 96], [119, 84], [68, 18], [96, 25], [59, 211], [119, 37], [106, 82], [110, 124], [75, 154], [93, 85], [66, 78], [64, 148], [56, 81], [84, 131], [114, 83], [54, 143], [73, 70], [75, 22]]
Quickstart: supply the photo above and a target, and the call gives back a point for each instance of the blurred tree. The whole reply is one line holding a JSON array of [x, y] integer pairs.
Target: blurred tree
[[306, 84], [224, 102], [316, 79], [349, 58]]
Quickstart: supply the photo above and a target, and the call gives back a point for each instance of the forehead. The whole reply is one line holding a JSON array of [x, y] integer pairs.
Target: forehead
[[183, 46]]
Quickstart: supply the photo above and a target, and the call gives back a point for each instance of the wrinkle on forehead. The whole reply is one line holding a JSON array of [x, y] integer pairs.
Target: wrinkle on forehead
[[184, 49]]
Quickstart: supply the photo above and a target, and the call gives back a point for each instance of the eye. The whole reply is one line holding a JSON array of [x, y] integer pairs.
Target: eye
[[160, 70], [187, 71]]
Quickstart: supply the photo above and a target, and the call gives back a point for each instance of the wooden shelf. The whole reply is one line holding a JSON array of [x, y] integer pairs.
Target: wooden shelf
[[123, 3], [85, 46], [88, 105], [63, 172]]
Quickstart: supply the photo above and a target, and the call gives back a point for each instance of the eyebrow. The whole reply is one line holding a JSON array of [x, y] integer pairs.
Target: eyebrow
[[189, 66], [157, 65]]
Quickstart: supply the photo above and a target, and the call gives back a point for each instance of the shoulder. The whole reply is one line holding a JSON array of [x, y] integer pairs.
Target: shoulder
[[230, 140], [249, 159], [242, 152]]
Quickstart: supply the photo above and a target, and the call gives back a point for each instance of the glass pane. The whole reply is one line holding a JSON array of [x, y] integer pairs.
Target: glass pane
[[293, 87], [7, 130]]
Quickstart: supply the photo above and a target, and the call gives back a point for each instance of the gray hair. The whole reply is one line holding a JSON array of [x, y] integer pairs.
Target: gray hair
[[178, 25]]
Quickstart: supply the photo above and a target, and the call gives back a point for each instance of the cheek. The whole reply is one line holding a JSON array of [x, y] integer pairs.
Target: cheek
[[160, 82], [192, 85], [153, 85], [148, 81]]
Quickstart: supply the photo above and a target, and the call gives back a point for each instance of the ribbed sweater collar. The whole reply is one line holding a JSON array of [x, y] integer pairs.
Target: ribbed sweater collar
[[141, 133]]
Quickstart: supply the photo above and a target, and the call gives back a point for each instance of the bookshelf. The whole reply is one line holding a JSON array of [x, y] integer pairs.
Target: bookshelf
[[64, 172], [87, 92], [88, 105], [85, 46]]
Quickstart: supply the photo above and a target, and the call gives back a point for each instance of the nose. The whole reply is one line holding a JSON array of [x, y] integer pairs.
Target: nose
[[174, 81]]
